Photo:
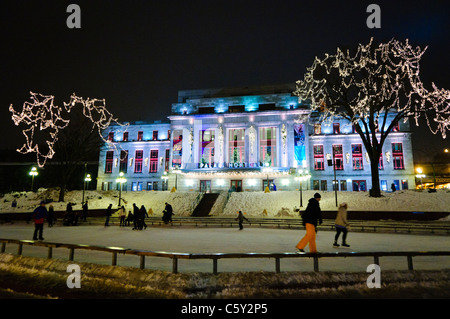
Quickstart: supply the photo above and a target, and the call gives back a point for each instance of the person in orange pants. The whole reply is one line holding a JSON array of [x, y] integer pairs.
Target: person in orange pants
[[309, 238], [311, 216]]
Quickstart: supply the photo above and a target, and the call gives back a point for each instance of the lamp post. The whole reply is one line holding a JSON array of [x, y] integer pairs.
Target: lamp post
[[87, 179], [303, 176], [33, 173], [420, 175], [120, 180]]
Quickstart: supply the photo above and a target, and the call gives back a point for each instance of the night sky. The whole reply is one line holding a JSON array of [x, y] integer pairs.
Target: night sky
[[137, 54]]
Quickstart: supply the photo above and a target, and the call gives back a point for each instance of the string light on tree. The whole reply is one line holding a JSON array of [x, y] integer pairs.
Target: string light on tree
[[43, 117], [374, 88]]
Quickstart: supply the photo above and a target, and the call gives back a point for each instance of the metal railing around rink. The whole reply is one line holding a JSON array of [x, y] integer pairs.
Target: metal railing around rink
[[214, 257]]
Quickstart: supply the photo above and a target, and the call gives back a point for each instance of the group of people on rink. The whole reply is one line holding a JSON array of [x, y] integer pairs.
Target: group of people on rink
[[137, 217], [312, 216]]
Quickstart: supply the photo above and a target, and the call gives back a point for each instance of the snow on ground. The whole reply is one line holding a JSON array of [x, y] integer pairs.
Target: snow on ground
[[279, 203], [229, 240]]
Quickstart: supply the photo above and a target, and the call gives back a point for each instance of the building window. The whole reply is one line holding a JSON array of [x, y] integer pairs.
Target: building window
[[140, 135], [236, 145], [317, 129], [136, 187], [206, 147], [396, 127], [343, 185], [125, 136], [338, 157], [109, 162], [397, 156], [359, 186], [166, 163], [153, 161], [380, 162], [404, 184], [177, 148], [123, 162], [357, 156], [138, 161], [110, 136], [318, 158], [383, 184], [268, 146], [336, 128], [316, 185], [155, 135]]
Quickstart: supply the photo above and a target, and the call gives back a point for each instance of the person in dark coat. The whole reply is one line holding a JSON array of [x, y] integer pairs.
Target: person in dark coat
[[167, 213], [136, 217], [311, 216], [108, 214], [51, 216], [241, 218], [393, 188], [39, 214], [142, 215], [130, 218], [85, 210]]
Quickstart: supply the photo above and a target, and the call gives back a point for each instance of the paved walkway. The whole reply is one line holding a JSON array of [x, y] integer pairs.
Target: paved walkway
[[229, 240]]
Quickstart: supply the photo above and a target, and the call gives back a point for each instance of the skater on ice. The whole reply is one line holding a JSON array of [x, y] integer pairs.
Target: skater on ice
[[311, 216], [241, 218], [342, 225], [39, 214]]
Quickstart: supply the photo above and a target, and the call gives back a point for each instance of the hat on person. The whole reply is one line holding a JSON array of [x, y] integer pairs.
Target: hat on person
[[42, 202], [317, 195]]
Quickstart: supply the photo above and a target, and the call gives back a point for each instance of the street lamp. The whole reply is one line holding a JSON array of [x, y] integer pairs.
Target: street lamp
[[120, 180], [303, 176], [87, 179], [420, 175], [33, 173]]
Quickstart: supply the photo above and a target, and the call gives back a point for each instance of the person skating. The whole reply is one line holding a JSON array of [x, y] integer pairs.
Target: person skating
[[51, 216], [39, 214], [341, 225], [311, 216], [108, 214], [241, 218], [122, 215]]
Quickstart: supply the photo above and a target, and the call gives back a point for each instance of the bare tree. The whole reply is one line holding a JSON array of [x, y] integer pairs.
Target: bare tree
[[76, 144], [374, 88]]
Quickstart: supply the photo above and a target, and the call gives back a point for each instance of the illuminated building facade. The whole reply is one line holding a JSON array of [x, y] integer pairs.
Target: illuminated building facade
[[244, 139]]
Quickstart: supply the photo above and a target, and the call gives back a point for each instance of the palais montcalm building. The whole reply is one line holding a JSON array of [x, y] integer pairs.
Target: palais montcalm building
[[243, 139]]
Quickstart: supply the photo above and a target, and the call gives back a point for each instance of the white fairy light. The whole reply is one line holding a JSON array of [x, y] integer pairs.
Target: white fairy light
[[42, 114], [375, 80]]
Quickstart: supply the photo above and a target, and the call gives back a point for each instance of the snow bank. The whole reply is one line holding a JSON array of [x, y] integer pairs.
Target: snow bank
[[47, 278], [284, 203], [275, 204]]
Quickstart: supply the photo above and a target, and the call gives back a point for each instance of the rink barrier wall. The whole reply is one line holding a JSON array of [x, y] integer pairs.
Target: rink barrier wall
[[175, 256], [326, 214]]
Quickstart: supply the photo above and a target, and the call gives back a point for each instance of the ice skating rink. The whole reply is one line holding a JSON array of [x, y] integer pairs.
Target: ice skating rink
[[229, 240]]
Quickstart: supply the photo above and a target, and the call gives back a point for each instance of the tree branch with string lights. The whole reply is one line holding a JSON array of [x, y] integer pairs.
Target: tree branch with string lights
[[375, 87], [67, 134]]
